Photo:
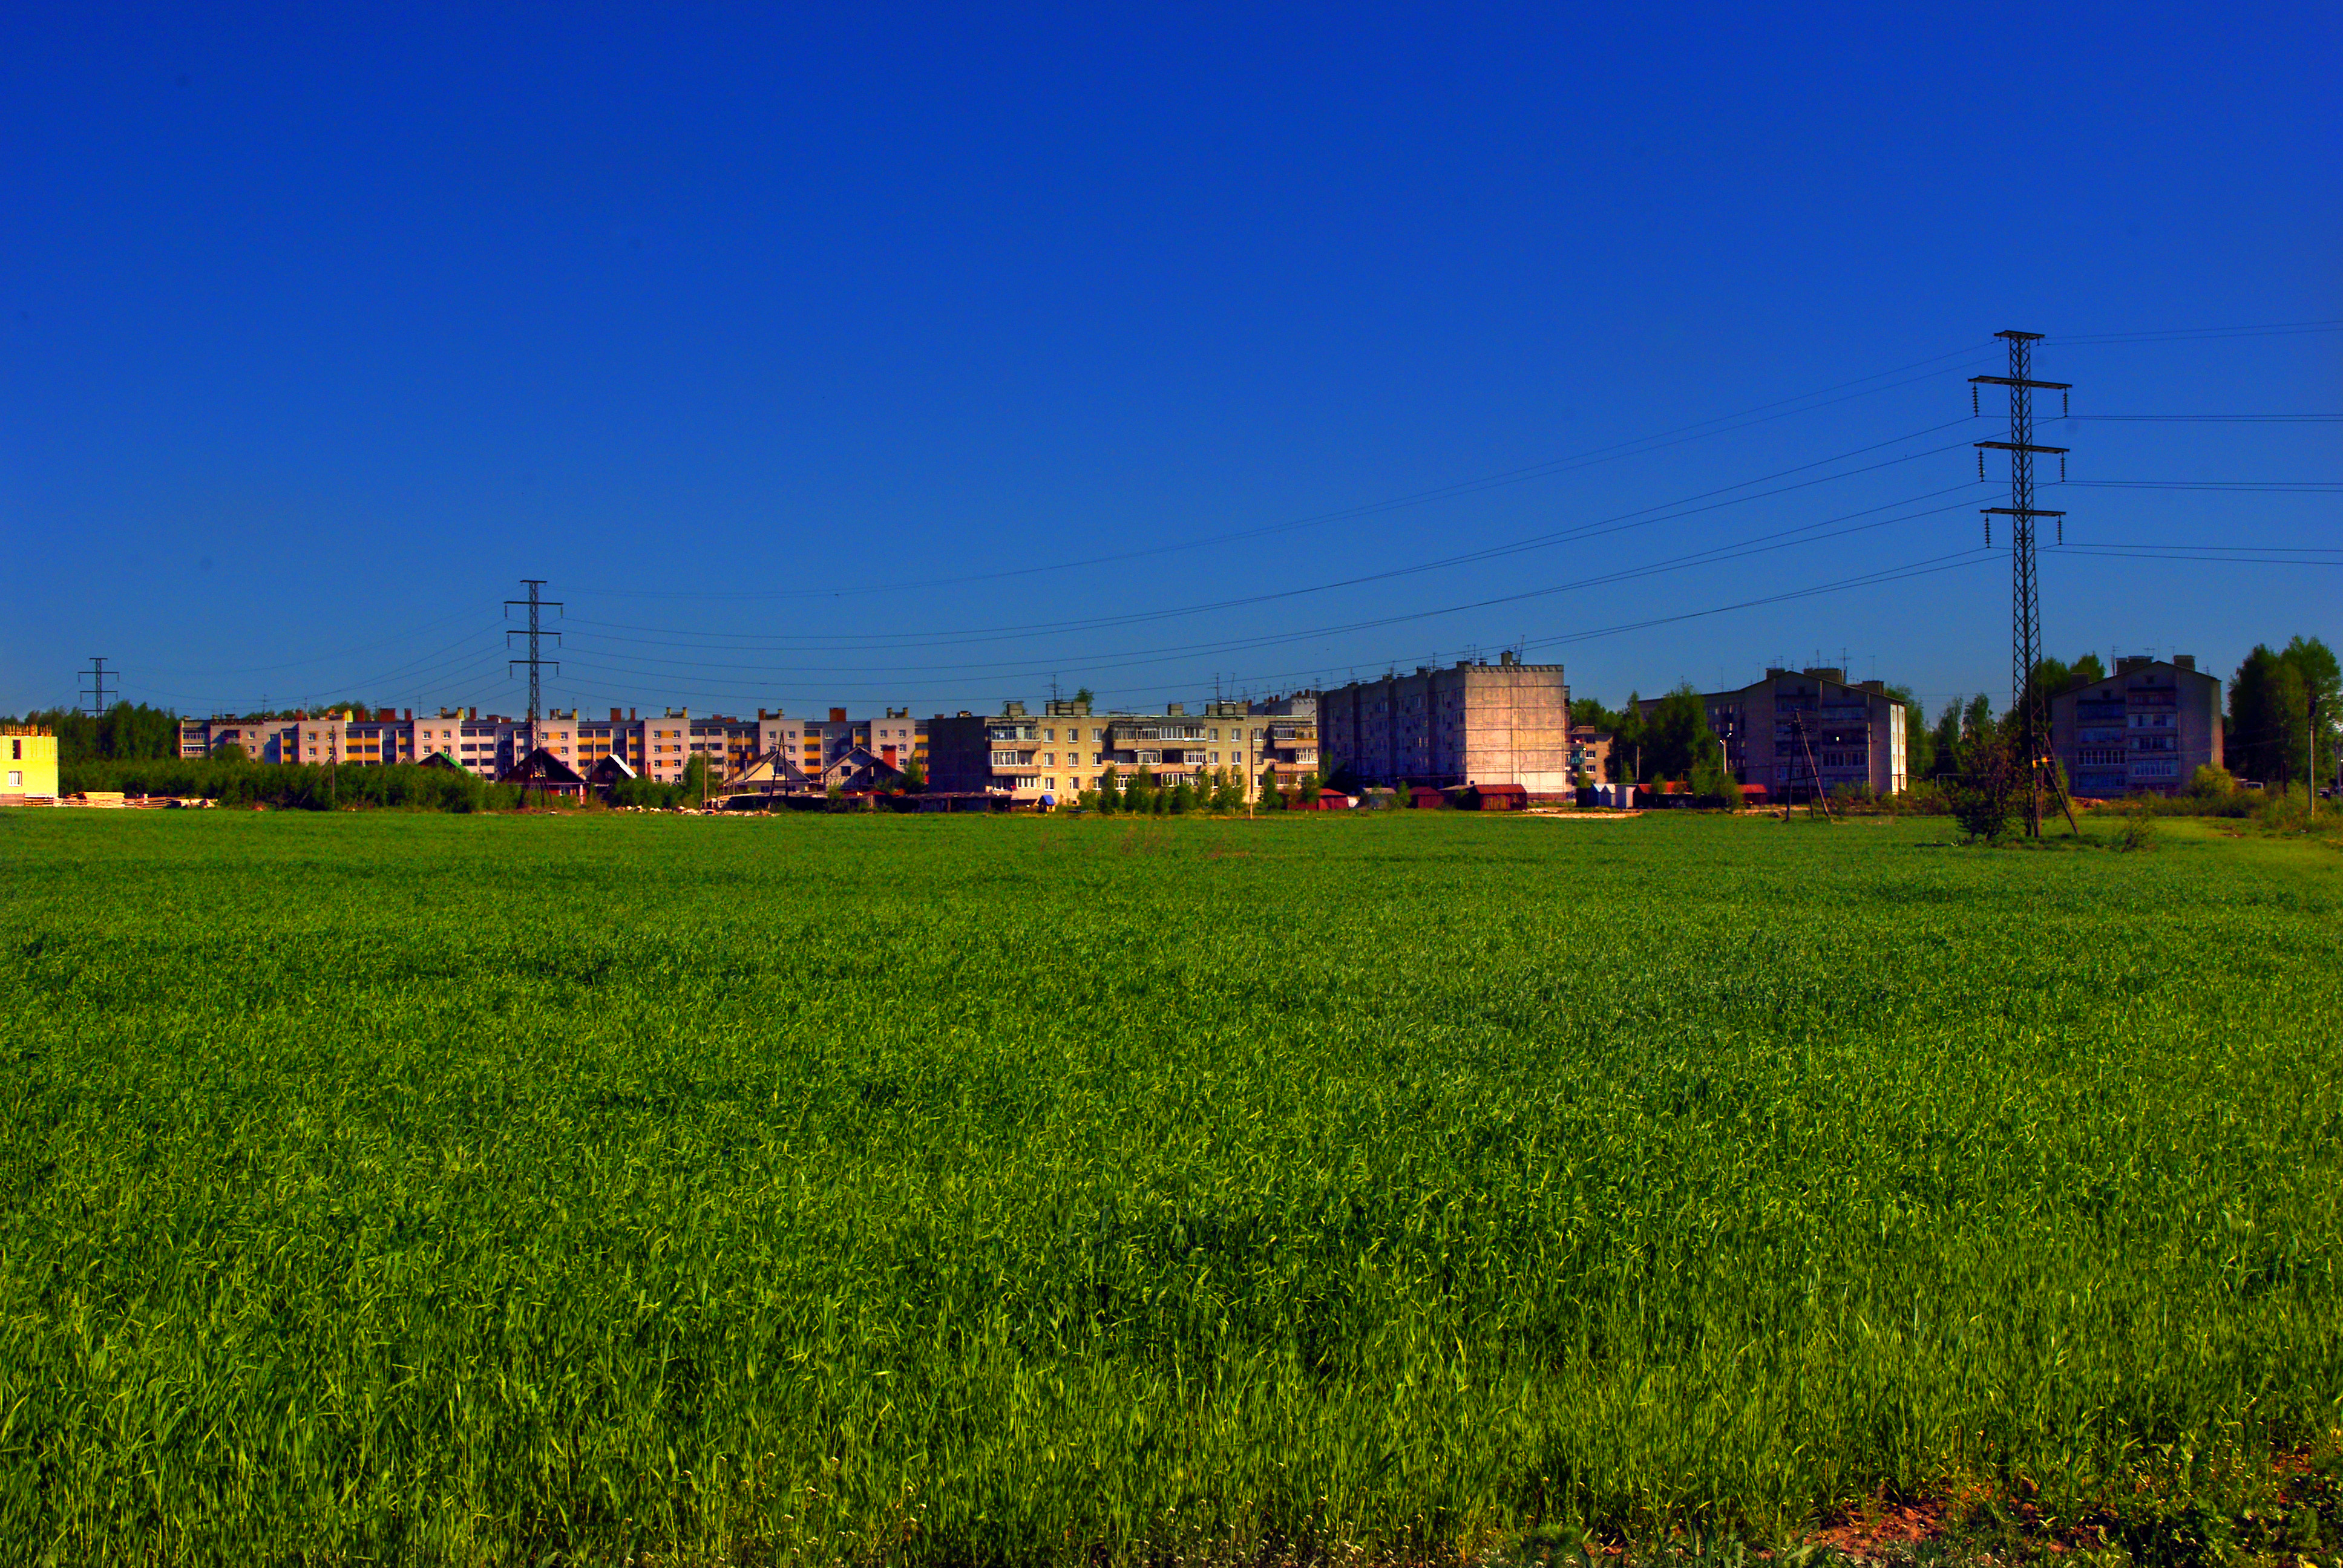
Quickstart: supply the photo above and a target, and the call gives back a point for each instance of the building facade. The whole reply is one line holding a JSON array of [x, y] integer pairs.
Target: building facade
[[1800, 732], [2146, 728], [28, 764], [1472, 723], [659, 747]]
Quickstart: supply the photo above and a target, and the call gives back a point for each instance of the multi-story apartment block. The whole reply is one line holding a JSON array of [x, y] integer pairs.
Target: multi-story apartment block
[[1281, 736], [1067, 749], [1474, 723], [1591, 753], [1800, 730], [659, 747], [2148, 727]]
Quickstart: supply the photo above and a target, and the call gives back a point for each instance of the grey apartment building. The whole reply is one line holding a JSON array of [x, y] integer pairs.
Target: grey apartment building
[[2147, 727], [1799, 732], [1471, 723]]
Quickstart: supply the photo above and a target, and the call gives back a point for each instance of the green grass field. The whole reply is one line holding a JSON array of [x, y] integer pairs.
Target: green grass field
[[500, 1188]]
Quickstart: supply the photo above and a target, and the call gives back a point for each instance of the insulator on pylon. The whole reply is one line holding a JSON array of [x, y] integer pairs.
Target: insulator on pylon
[[2062, 530], [1974, 409], [2062, 467], [2065, 406], [1988, 533]]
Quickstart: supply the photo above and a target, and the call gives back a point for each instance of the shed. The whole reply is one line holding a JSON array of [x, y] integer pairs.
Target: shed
[[1498, 798], [1425, 798]]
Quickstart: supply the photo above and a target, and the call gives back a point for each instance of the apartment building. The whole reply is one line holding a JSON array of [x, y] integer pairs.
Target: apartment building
[[1800, 731], [657, 747], [1472, 723], [1281, 736], [1591, 752], [2147, 727], [1067, 747]]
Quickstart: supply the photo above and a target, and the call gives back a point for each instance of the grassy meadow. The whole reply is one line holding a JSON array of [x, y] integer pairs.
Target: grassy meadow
[[491, 1188]]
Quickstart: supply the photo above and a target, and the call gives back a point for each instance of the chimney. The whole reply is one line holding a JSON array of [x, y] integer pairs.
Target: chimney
[[1507, 657], [472, 713], [407, 713], [2127, 662], [1877, 687], [837, 715], [2184, 661], [631, 714], [614, 716], [1176, 710]]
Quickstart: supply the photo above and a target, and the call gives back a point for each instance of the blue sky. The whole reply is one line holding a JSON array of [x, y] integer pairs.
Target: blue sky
[[923, 358]]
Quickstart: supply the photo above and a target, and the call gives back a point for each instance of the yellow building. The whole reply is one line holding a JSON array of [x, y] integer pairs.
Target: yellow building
[[28, 764]]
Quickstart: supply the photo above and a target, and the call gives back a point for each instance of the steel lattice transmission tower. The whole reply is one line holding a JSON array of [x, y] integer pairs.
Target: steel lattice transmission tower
[[534, 604], [2024, 582], [97, 675]]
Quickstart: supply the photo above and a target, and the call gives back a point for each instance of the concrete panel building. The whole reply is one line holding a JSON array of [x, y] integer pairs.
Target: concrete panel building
[[2148, 727], [1472, 723], [1798, 731], [657, 747]]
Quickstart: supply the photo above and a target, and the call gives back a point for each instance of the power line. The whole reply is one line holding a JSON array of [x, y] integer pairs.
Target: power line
[[1636, 446], [2264, 486], [2218, 418], [1662, 512], [2190, 333]]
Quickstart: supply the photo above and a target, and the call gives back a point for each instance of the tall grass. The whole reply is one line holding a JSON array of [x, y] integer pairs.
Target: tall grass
[[974, 1189]]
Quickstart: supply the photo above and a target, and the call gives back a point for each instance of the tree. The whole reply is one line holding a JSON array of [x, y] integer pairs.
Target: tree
[[1944, 740], [1627, 744], [1590, 712], [232, 751], [1710, 780], [122, 733], [915, 777], [1084, 694], [1985, 792], [2267, 728], [1676, 734], [1271, 799], [1182, 798], [1109, 791], [1229, 796]]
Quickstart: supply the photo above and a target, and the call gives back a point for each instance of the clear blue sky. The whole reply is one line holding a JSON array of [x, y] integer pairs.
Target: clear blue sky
[[775, 337]]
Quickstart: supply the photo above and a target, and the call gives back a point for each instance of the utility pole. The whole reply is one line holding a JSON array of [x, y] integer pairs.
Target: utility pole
[[95, 691], [2310, 804], [2026, 592]]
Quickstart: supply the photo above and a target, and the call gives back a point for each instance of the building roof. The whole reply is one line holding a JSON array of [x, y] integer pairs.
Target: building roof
[[540, 766], [609, 768]]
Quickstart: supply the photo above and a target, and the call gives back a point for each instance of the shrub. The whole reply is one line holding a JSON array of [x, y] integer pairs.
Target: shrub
[[2211, 782]]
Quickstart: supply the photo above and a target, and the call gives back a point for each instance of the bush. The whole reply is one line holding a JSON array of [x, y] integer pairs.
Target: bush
[[294, 786], [2138, 833], [2211, 782]]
